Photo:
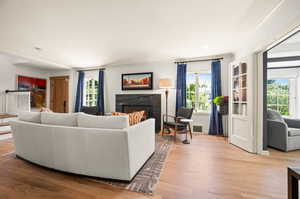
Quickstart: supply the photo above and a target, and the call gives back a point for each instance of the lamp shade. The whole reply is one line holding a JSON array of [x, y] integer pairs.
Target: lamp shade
[[165, 83]]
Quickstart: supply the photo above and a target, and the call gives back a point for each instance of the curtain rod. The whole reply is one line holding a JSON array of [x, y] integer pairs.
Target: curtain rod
[[17, 91], [92, 69], [198, 60]]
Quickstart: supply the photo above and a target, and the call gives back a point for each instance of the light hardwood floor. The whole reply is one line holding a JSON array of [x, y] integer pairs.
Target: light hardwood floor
[[208, 168]]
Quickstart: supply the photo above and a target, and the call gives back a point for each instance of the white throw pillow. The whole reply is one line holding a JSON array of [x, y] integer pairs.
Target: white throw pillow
[[34, 117], [60, 119], [104, 122]]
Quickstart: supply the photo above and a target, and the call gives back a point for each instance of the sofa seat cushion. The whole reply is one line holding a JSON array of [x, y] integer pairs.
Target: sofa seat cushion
[[104, 122], [294, 132], [34, 117], [59, 119]]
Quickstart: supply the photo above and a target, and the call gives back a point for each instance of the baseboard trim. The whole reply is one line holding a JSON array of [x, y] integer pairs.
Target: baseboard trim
[[264, 152]]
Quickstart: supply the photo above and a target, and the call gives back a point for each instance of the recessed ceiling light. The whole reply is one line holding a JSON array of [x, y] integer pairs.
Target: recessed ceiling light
[[37, 48]]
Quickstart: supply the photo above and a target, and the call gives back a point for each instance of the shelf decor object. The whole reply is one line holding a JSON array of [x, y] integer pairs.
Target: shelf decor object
[[222, 104], [239, 89]]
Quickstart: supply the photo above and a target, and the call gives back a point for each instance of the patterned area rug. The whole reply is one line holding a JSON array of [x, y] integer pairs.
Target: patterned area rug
[[148, 176]]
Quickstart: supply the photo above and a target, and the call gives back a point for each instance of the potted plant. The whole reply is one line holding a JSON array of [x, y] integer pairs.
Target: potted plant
[[222, 104]]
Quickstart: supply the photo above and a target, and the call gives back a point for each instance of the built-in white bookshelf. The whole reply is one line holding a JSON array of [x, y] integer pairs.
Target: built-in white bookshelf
[[239, 89], [242, 98]]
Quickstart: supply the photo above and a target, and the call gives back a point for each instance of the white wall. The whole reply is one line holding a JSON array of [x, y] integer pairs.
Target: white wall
[[7, 79], [32, 72], [161, 70], [113, 82], [9, 73]]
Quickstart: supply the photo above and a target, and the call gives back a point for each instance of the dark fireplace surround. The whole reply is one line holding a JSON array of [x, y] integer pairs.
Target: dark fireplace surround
[[150, 103]]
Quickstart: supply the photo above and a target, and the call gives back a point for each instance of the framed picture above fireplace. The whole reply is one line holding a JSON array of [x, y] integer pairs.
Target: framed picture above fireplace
[[137, 81]]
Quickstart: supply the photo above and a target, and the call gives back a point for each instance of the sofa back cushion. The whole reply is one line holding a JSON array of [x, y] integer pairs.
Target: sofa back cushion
[[34, 117], [59, 119], [274, 115], [104, 122]]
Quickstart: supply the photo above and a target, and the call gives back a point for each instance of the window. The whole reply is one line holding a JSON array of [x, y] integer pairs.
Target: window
[[279, 95], [90, 89], [199, 91]]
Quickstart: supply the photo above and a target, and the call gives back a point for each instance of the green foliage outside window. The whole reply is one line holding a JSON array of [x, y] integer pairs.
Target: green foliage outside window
[[278, 95], [91, 92], [198, 92]]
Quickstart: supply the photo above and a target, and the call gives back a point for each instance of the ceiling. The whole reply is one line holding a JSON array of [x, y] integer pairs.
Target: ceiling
[[83, 33], [30, 62], [290, 47]]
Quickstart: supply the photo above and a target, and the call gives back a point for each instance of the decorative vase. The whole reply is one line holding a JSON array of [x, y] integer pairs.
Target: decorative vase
[[223, 109]]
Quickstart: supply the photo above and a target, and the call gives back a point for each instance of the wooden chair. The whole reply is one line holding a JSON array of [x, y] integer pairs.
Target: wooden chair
[[176, 124], [92, 110]]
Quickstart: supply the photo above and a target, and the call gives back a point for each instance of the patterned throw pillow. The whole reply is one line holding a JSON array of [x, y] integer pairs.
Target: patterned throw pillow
[[43, 109], [119, 114], [134, 117]]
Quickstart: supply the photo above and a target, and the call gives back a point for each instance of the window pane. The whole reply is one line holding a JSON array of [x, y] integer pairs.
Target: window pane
[[272, 99], [90, 91], [272, 107], [284, 110], [283, 100], [199, 91], [278, 95]]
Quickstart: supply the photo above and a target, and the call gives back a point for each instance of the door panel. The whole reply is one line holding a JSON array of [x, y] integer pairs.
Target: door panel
[[59, 94], [241, 134], [242, 101]]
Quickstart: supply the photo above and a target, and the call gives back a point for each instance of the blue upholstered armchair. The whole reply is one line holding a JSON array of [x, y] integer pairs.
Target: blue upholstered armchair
[[283, 133]]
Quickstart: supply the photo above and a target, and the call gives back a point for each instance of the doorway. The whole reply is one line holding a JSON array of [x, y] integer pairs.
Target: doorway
[[59, 94], [281, 74]]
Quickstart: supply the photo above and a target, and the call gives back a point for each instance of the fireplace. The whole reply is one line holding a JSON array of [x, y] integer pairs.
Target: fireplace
[[150, 103]]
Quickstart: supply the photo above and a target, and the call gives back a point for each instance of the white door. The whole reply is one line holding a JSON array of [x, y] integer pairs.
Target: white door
[[241, 104]]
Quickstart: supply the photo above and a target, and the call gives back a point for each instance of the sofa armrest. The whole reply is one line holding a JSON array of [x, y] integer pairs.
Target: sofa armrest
[[141, 144], [277, 134], [292, 123], [276, 123]]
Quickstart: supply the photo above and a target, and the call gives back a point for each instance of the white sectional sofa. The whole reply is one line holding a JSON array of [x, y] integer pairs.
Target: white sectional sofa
[[99, 146]]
